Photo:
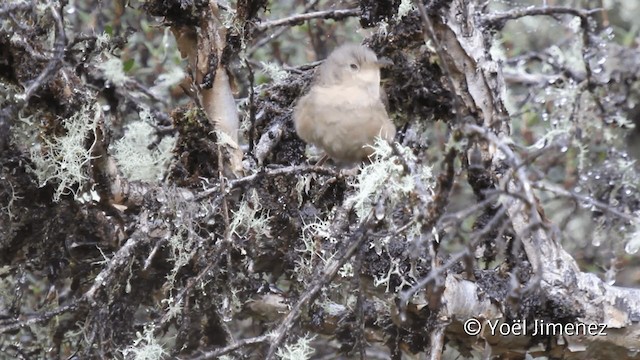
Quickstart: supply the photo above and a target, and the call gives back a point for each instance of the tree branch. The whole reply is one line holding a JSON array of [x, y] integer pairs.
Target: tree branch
[[300, 18]]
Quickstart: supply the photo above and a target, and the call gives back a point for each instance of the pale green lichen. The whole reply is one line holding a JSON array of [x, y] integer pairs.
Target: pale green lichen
[[313, 253], [167, 80], [135, 159], [405, 7], [300, 350], [303, 185], [274, 71], [250, 218], [182, 247], [62, 161], [145, 347], [386, 176], [113, 71]]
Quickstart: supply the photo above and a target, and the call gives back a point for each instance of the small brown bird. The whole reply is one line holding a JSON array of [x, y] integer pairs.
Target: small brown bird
[[343, 111]]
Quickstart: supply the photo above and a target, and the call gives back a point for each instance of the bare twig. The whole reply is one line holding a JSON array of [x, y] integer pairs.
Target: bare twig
[[121, 258], [302, 68], [225, 207], [12, 325], [229, 348], [558, 190], [360, 317], [498, 19], [437, 343], [288, 170], [328, 273], [406, 295], [266, 40], [300, 18], [278, 32]]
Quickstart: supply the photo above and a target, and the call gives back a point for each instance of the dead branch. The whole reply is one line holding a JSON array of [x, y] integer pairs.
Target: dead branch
[[300, 18]]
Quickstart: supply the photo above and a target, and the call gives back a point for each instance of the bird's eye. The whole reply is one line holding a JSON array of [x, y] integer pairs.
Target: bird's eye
[[353, 67]]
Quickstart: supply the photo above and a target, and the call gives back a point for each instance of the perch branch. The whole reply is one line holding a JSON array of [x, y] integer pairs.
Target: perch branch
[[295, 170]]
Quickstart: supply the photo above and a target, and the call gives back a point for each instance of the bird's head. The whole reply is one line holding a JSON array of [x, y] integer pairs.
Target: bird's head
[[352, 64]]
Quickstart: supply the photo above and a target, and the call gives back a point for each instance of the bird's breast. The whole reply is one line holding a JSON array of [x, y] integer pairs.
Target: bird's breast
[[342, 121], [346, 97]]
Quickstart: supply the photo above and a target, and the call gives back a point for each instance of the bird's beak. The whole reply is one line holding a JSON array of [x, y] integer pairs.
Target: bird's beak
[[384, 61]]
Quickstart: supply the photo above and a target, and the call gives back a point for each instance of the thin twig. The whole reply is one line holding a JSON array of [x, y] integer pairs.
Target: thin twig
[[437, 343], [288, 170], [37, 318], [406, 295], [360, 317], [225, 207], [264, 41], [328, 273], [229, 348], [300, 18], [558, 190], [497, 20]]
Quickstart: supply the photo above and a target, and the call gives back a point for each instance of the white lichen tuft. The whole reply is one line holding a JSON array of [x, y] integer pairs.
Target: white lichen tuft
[[386, 175], [274, 71], [102, 40], [145, 347], [382, 29], [113, 71], [63, 160], [9, 207], [300, 350], [250, 218], [173, 308], [315, 253], [173, 76], [406, 6], [133, 155], [183, 248]]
